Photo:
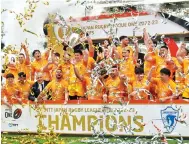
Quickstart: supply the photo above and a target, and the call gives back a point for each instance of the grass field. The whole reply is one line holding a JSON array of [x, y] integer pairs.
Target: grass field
[[55, 139]]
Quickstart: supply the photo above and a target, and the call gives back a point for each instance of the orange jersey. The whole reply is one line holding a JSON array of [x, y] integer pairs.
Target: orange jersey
[[76, 86], [164, 89], [161, 63], [186, 65], [120, 49], [25, 88], [95, 91], [171, 67], [141, 87], [185, 93], [66, 70], [24, 67], [56, 89], [9, 91], [90, 64], [127, 68], [179, 77], [148, 65], [37, 66], [186, 71], [143, 84], [186, 82], [52, 69], [12, 70], [115, 88]]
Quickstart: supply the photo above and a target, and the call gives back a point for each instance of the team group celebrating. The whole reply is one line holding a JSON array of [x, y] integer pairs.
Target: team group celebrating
[[113, 75]]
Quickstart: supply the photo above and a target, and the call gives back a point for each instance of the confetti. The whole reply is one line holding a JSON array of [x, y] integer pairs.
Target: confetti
[[46, 3], [25, 30], [2, 30], [3, 10]]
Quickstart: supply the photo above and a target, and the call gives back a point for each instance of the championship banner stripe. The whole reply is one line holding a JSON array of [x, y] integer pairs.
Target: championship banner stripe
[[108, 16]]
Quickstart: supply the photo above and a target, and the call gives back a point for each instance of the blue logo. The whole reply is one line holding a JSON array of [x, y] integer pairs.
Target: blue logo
[[10, 124], [169, 116]]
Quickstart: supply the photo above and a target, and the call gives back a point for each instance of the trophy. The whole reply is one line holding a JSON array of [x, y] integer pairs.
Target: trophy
[[71, 36]]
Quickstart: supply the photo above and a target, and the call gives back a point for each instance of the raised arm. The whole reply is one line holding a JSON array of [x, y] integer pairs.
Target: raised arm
[[146, 37], [26, 53], [179, 54], [4, 99], [150, 73], [147, 40], [46, 67], [91, 47], [32, 72], [135, 56], [115, 53], [47, 52], [80, 77], [85, 56]]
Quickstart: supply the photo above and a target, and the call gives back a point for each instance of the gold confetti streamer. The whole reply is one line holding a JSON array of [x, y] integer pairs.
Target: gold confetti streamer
[[25, 30]]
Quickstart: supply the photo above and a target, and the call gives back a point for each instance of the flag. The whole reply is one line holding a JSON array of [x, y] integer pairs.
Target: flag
[[172, 46]]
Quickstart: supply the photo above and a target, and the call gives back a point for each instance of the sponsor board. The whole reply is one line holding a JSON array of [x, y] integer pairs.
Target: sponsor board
[[137, 119]]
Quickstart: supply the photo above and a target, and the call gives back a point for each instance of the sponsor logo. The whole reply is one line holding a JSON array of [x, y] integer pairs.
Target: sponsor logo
[[12, 125], [16, 114], [169, 116], [8, 113]]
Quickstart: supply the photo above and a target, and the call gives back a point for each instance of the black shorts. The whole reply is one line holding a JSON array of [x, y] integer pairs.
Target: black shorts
[[184, 98], [75, 97]]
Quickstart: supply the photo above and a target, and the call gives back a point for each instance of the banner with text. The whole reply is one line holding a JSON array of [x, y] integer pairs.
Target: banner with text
[[115, 119], [129, 26]]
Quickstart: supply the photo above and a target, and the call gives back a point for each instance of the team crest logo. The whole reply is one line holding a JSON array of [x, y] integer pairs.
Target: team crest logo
[[169, 116]]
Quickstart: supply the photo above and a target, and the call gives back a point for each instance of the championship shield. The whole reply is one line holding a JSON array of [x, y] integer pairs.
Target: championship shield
[[169, 118]]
